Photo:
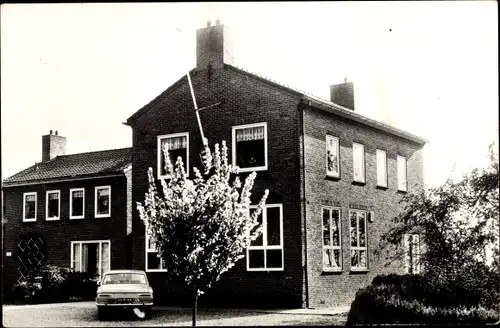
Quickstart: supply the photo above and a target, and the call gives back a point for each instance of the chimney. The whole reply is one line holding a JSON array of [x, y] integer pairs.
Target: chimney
[[53, 145], [213, 46], [343, 94]]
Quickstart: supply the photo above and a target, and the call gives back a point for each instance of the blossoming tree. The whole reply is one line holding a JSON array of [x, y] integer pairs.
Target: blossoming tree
[[202, 226]]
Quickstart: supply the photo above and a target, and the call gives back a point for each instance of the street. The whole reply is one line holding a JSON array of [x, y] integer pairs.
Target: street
[[84, 314]]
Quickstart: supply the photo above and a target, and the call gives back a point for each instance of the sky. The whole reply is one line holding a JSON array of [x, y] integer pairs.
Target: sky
[[430, 68]]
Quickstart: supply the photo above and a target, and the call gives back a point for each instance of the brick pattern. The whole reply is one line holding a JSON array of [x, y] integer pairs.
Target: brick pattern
[[57, 235], [330, 289], [244, 100]]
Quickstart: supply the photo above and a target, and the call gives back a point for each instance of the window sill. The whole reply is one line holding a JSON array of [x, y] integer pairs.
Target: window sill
[[252, 169], [51, 219], [402, 191], [102, 216], [382, 187], [76, 217], [156, 270], [29, 220], [332, 177], [358, 271], [265, 270], [329, 271], [359, 183]]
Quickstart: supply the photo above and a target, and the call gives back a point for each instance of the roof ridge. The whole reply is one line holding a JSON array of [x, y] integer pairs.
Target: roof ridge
[[90, 152]]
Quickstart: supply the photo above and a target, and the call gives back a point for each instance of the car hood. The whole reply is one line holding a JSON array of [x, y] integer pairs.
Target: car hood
[[124, 288]]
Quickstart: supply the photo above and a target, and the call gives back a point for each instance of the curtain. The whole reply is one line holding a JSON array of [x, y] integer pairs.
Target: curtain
[[103, 192], [248, 134], [76, 257], [78, 194], [30, 198], [54, 195], [174, 143], [85, 257]]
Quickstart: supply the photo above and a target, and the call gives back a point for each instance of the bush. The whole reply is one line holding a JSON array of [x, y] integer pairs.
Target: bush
[[49, 284], [470, 297], [381, 304]]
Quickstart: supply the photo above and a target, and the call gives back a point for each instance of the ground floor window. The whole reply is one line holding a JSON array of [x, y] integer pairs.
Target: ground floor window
[[359, 248], [332, 250], [153, 260], [266, 252], [91, 256], [412, 253]]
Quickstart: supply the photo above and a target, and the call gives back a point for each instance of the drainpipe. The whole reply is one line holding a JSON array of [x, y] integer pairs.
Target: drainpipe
[[303, 196]]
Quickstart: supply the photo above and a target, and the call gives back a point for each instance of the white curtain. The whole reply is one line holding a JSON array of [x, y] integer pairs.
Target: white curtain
[[85, 257], [54, 195], [78, 194], [248, 134], [174, 143]]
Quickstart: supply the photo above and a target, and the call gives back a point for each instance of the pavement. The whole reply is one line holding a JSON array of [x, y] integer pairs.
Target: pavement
[[84, 314]]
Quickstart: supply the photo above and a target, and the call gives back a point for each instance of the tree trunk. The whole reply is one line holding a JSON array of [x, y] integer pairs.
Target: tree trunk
[[195, 307]]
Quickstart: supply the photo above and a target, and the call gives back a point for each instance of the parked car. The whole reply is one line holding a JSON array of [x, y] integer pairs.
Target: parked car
[[127, 289]]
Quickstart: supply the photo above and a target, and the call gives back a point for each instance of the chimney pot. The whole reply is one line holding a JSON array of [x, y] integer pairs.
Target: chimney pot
[[209, 23], [217, 21], [56, 132], [50, 132]]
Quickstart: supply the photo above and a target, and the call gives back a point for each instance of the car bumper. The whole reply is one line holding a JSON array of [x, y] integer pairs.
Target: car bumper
[[124, 304]]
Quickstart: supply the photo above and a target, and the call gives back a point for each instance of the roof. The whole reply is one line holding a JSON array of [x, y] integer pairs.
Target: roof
[[97, 163], [307, 98]]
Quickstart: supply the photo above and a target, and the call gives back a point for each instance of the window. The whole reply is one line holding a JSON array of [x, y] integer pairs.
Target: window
[[52, 205], [103, 201], [250, 147], [91, 256], [332, 157], [77, 203], [358, 240], [381, 168], [332, 255], [402, 182], [266, 252], [412, 253], [29, 206], [178, 146], [153, 260], [358, 158]]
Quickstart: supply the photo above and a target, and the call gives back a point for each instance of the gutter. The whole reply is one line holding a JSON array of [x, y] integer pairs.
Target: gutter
[[351, 115], [30, 183]]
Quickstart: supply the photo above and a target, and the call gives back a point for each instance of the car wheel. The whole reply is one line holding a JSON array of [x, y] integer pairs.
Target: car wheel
[[101, 313]]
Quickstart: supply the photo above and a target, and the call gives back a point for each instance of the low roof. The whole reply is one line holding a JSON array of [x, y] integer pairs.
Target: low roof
[[66, 167]]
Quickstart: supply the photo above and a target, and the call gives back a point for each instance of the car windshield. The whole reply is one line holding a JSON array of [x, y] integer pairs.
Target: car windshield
[[124, 278]]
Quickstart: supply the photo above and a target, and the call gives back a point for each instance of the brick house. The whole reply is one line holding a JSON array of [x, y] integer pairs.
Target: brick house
[[69, 211], [334, 176]]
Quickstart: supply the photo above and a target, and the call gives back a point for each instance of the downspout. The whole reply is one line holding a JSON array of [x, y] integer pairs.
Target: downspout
[[303, 202]]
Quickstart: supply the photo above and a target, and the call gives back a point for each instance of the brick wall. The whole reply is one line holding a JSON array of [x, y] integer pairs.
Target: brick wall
[[58, 234], [329, 289], [244, 100]]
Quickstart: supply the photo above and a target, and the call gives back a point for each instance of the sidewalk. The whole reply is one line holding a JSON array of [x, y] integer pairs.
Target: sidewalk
[[314, 311]]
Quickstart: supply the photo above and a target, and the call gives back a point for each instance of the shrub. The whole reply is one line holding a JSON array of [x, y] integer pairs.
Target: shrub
[[415, 299], [49, 284]]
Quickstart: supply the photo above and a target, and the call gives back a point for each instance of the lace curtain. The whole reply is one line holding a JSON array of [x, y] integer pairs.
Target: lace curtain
[[248, 134]]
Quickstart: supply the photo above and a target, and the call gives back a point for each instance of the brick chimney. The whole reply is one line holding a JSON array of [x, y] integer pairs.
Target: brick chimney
[[343, 94], [213, 46], [53, 145]]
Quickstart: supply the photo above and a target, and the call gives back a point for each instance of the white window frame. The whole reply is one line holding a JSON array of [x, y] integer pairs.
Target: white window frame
[[24, 206], [58, 192], [330, 173], [402, 185], [233, 152], [71, 216], [81, 242], [363, 168], [383, 178], [412, 262], [159, 153], [151, 250], [358, 248], [95, 202], [331, 247], [264, 246]]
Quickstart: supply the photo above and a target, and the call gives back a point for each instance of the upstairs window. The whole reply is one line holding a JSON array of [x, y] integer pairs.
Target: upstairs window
[[381, 168], [359, 249], [266, 252], [402, 181], [358, 159], [178, 146], [103, 201], [412, 253], [332, 157], [29, 206], [250, 147], [53, 205], [332, 254], [77, 203]]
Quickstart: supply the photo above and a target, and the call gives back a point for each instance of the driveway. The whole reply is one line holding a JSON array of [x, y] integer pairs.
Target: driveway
[[84, 314]]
